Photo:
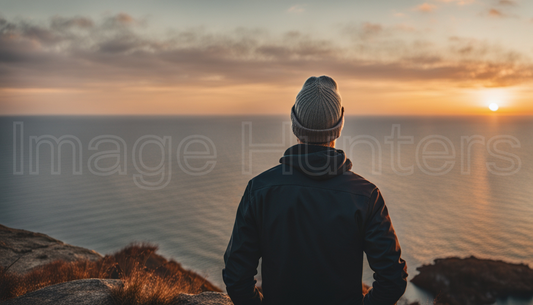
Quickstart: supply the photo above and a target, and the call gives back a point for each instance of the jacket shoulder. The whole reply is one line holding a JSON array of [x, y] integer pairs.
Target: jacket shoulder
[[282, 175]]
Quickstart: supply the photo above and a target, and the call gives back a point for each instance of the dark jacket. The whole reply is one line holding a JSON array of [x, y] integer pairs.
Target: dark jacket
[[310, 219]]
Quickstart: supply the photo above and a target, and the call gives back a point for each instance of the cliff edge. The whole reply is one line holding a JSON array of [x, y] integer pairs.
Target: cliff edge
[[21, 250], [38, 269]]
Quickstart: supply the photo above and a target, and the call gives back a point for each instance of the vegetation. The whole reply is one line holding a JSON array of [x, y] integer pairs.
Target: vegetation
[[147, 278]]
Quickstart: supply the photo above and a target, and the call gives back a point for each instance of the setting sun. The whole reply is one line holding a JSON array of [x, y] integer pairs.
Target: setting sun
[[493, 106]]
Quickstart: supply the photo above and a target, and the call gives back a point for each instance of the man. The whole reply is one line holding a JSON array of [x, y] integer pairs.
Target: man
[[310, 219]]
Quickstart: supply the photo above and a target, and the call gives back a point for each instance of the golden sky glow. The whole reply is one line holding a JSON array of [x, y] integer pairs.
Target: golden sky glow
[[440, 57]]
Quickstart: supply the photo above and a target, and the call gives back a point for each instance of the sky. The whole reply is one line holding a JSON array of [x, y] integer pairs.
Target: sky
[[204, 57]]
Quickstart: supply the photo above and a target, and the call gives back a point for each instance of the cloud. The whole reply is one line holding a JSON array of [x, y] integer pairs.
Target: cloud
[[375, 34], [80, 52], [123, 18], [458, 2], [60, 23], [425, 7], [371, 32], [496, 13], [371, 29], [296, 9], [507, 2]]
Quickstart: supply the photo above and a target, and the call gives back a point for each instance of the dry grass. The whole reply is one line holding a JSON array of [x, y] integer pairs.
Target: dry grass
[[148, 278], [159, 282]]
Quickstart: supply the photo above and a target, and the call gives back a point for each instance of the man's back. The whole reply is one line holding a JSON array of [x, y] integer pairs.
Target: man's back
[[310, 219]]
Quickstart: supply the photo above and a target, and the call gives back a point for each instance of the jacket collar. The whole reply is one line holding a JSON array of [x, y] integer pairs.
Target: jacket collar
[[316, 161]]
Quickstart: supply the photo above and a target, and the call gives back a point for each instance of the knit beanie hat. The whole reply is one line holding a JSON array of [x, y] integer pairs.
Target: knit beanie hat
[[317, 115]]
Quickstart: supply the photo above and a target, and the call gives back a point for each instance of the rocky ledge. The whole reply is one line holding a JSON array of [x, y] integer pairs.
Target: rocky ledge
[[96, 292], [21, 251], [80, 292], [474, 281]]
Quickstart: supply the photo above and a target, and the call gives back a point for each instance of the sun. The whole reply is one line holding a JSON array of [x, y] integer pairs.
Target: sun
[[494, 106]]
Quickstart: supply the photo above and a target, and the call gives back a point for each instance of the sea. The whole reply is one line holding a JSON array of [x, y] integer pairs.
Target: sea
[[454, 186]]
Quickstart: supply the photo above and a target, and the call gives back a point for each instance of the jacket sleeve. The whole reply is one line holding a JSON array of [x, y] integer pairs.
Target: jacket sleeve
[[242, 256], [384, 255]]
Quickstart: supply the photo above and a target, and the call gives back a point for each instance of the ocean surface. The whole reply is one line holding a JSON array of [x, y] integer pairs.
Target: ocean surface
[[454, 186]]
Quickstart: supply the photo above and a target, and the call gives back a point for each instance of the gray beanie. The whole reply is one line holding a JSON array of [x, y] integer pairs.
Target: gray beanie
[[317, 115]]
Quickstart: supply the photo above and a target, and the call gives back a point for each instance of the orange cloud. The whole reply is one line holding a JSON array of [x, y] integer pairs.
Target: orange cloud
[[124, 18], [507, 2], [496, 13], [425, 7], [459, 2]]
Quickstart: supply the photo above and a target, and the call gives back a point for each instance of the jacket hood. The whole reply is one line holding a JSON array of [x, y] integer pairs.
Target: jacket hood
[[316, 161]]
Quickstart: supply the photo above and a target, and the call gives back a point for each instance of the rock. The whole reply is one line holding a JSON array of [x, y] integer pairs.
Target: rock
[[80, 292], [22, 250], [465, 281], [205, 298]]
